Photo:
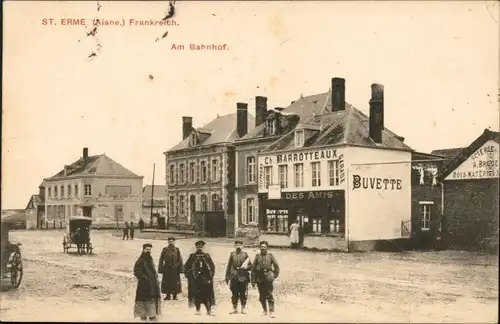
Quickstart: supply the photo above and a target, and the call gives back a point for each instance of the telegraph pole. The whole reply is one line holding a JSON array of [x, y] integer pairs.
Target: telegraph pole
[[152, 197]]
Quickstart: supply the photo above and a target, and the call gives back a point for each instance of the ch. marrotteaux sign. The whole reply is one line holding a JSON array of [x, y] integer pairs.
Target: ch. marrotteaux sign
[[482, 164], [327, 154]]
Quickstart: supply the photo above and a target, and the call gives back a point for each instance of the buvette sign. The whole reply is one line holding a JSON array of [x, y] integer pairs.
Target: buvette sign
[[482, 164]]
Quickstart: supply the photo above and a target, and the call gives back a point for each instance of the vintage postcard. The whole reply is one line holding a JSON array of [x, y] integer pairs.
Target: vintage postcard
[[250, 161]]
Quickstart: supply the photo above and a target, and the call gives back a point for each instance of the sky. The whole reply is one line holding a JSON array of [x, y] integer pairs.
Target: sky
[[438, 62]]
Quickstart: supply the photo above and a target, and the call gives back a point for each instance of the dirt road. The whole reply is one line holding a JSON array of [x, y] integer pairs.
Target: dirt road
[[446, 286]]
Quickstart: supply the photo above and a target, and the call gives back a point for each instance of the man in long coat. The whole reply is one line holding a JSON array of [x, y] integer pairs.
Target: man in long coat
[[200, 270], [238, 276], [171, 266], [147, 295]]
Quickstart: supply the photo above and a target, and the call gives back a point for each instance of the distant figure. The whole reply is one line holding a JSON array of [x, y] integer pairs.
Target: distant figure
[[171, 266], [125, 231], [294, 234], [141, 224], [264, 272], [200, 270], [132, 229], [147, 295]]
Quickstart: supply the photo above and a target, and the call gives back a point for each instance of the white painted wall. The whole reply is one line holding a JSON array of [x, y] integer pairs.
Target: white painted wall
[[375, 211], [482, 164]]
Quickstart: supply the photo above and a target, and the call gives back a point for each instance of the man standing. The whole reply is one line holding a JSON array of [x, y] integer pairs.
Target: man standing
[[132, 229], [171, 266], [125, 231], [238, 276], [200, 270], [147, 295], [265, 270]]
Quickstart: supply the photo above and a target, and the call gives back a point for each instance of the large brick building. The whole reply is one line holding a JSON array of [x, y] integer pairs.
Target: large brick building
[[341, 173], [95, 186], [471, 188], [200, 174]]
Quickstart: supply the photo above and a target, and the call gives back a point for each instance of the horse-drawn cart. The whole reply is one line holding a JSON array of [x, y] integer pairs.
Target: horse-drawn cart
[[78, 235], [11, 261]]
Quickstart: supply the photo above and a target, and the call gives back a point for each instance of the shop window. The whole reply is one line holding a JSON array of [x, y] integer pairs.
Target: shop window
[[192, 172], [203, 171], [316, 174], [250, 169], [333, 172], [334, 226], [299, 175], [277, 220], [316, 225], [283, 174], [268, 176], [425, 215]]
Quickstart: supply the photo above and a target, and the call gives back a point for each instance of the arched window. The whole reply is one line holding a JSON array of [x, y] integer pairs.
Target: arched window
[[204, 202]]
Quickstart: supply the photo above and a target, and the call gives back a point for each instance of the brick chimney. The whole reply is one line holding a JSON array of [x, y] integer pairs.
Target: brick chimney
[[85, 153], [338, 94], [377, 112], [260, 110], [187, 126], [241, 118]]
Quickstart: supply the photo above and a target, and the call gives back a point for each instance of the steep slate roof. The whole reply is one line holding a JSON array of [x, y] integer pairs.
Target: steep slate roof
[[222, 130], [465, 153], [448, 154], [159, 192], [36, 199], [349, 126], [95, 165]]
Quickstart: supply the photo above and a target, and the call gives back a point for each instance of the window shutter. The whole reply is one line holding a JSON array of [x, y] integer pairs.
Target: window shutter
[[256, 213], [197, 171], [245, 167], [244, 211]]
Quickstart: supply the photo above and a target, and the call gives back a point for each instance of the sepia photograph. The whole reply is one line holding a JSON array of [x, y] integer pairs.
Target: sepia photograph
[[250, 161]]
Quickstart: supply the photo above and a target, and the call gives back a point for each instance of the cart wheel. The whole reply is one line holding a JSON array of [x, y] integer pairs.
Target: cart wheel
[[16, 270]]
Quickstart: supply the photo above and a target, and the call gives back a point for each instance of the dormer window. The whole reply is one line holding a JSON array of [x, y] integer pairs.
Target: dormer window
[[271, 126], [193, 139], [299, 138]]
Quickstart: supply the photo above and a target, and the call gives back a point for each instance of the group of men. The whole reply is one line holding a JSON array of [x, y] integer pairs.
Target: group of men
[[199, 270]]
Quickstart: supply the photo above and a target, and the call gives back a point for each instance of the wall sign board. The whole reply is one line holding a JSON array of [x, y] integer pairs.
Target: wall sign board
[[482, 164]]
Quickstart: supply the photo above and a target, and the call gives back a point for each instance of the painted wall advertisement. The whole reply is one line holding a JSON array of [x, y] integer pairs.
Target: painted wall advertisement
[[482, 164], [378, 201]]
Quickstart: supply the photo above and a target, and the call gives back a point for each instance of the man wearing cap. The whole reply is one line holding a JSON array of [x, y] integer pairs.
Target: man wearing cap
[[147, 296], [200, 270], [265, 270], [171, 266], [238, 276]]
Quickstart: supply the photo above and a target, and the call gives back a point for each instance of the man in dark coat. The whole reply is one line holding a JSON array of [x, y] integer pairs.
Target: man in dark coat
[[132, 229], [125, 231], [238, 276], [171, 266], [147, 295], [200, 270], [265, 270]]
